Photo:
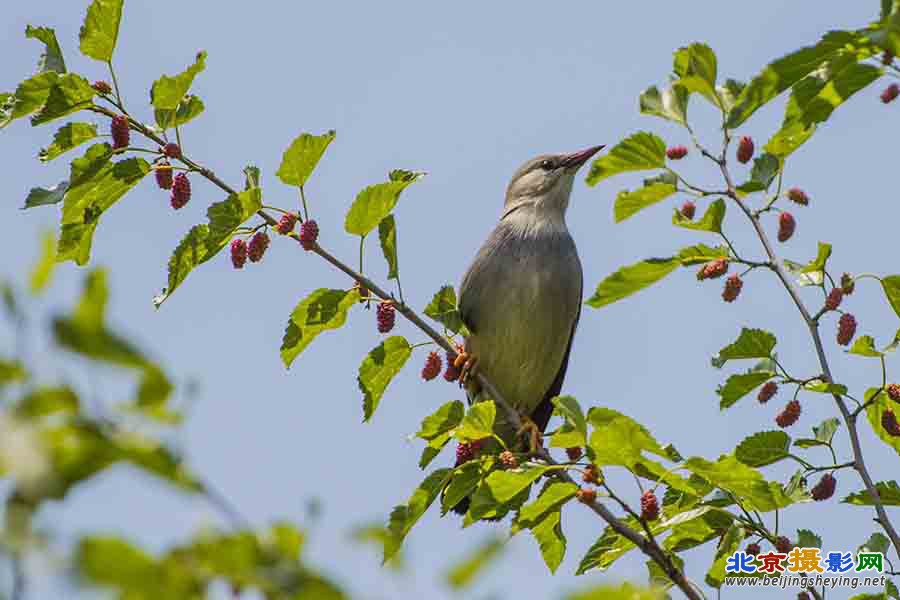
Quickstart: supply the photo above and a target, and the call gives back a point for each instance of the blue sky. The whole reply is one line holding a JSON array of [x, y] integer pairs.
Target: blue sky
[[466, 92]]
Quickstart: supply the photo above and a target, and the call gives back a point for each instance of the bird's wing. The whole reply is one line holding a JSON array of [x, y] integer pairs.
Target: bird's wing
[[541, 415]]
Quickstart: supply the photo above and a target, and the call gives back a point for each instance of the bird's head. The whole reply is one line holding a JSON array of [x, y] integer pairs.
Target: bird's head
[[545, 182]]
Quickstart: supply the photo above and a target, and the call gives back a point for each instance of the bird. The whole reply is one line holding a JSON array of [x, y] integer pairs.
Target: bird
[[520, 299]]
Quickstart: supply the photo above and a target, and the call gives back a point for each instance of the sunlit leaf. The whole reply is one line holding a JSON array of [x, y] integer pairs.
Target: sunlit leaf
[[763, 448], [751, 343], [633, 278], [628, 203], [42, 271], [374, 203], [100, 30], [404, 516], [52, 58], [639, 152], [461, 574], [69, 93], [888, 494], [379, 368], [322, 310], [444, 310], [478, 422], [670, 103], [711, 220], [302, 156], [387, 235], [738, 386], [68, 137], [168, 92]]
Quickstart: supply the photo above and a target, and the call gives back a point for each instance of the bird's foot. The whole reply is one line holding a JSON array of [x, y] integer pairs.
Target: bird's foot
[[467, 364], [530, 428]]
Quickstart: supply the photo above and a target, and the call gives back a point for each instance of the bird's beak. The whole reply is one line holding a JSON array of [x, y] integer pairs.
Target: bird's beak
[[576, 159]]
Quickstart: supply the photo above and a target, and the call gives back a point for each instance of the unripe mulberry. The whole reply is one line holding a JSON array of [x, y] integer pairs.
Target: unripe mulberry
[[309, 233], [591, 474], [767, 391], [889, 422], [834, 298], [786, 226], [847, 284], [508, 459], [887, 58], [451, 373], [649, 506], [432, 366], [677, 152], [745, 149], [713, 269], [893, 391], [846, 329], [385, 315], [238, 253], [257, 246], [825, 488], [783, 545], [688, 209], [586, 495], [163, 173], [466, 451], [181, 191], [101, 87], [798, 196], [732, 289], [753, 549], [574, 453], [120, 131], [286, 224], [890, 94], [789, 415], [172, 150]]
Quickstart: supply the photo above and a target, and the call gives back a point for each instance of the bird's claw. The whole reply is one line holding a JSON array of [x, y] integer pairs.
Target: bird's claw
[[467, 364], [534, 434]]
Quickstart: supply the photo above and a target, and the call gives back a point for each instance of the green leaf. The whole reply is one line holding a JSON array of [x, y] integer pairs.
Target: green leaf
[[618, 439], [500, 488], [891, 286], [729, 92], [374, 203], [379, 368], [625, 591], [730, 543], [441, 421], [463, 573], [444, 310], [763, 448], [167, 92], [302, 156], [823, 433], [134, 569], [819, 263], [785, 72], [670, 103], [738, 386], [44, 401], [30, 96], [865, 346], [808, 539], [751, 343], [765, 168], [695, 527], [188, 109], [711, 220], [203, 242], [804, 279], [478, 422], [465, 480], [639, 152], [628, 203], [700, 253], [822, 387], [101, 29], [554, 495], [69, 136], [569, 409], [877, 542], [387, 235], [633, 278], [43, 196], [52, 58], [322, 310], [551, 540], [610, 546], [43, 269], [11, 372], [696, 66], [731, 475], [888, 493], [404, 516], [878, 402], [658, 578], [70, 93]]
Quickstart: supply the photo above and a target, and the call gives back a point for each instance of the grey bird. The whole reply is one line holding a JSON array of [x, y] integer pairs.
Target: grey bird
[[521, 297]]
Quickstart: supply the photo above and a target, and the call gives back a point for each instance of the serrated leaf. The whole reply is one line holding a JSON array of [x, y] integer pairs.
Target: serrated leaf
[[628, 203], [501, 487], [808, 539], [731, 475], [610, 546], [819, 263], [701, 253], [804, 279], [444, 310], [569, 409], [865, 346], [888, 494], [478, 422], [550, 538], [763, 448], [441, 421], [618, 439], [302, 156], [729, 92], [633, 278], [52, 58], [322, 310], [374, 203], [100, 30], [404, 516], [465, 480], [39, 196], [42, 271], [696, 67], [387, 236], [70, 93], [203, 242], [711, 220], [68, 136], [639, 152], [765, 168], [188, 109], [554, 495], [785, 72], [30, 95], [738, 386], [379, 368], [729, 544], [823, 433], [877, 403], [462, 574], [671, 103], [891, 287], [168, 92], [822, 387], [877, 542], [751, 343]]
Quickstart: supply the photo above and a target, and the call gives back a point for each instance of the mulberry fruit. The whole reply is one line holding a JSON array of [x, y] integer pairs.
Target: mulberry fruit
[[846, 329], [887, 58], [238, 253], [786, 226], [257, 246], [798, 196], [767, 391], [432, 366], [172, 150], [889, 422], [893, 391], [713, 269], [574, 453], [834, 298], [847, 284], [508, 459], [783, 545], [591, 474], [890, 94], [101, 87], [688, 209], [120, 132], [181, 191], [677, 152], [309, 233], [286, 224], [163, 173], [649, 506], [732, 289], [386, 315], [753, 549], [586, 495], [466, 451], [745, 149], [825, 488], [789, 415], [451, 373]]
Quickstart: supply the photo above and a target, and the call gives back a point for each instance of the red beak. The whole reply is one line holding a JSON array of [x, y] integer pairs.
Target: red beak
[[577, 159]]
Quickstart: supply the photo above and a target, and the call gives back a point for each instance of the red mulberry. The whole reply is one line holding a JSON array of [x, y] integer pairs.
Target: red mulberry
[[649, 506], [789, 415], [257, 246], [309, 233], [767, 391], [732, 289], [591, 474], [688, 209], [887, 58], [753, 549], [386, 315], [120, 132], [825, 488], [798, 196], [172, 150], [889, 422], [834, 298], [677, 152], [451, 373], [713, 269], [574, 453], [508, 459], [432, 366], [893, 391], [846, 329], [786, 226], [101, 87], [745, 149], [783, 545], [238, 253], [890, 94], [163, 173], [586, 495], [286, 224], [181, 191], [466, 451]]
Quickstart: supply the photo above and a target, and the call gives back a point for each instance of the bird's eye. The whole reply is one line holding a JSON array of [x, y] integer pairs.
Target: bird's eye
[[547, 164]]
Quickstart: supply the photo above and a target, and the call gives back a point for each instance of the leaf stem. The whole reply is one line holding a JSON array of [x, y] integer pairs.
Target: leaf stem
[[112, 74]]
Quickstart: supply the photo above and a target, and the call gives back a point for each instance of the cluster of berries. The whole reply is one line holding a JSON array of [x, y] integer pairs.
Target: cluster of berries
[[432, 366], [254, 250], [888, 418]]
